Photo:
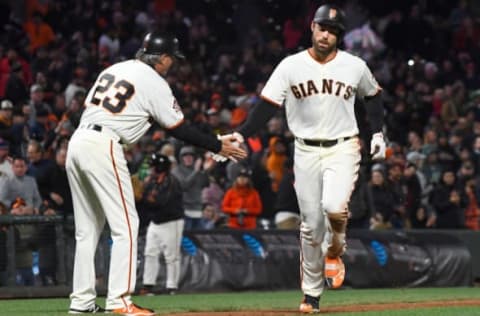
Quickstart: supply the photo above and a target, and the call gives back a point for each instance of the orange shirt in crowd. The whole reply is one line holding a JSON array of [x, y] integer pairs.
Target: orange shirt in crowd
[[237, 198], [39, 34]]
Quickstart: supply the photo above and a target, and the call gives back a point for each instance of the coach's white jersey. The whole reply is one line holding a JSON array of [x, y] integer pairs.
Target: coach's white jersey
[[127, 106], [319, 98]]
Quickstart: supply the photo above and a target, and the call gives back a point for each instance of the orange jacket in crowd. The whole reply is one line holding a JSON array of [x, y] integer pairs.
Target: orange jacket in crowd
[[238, 198], [39, 33]]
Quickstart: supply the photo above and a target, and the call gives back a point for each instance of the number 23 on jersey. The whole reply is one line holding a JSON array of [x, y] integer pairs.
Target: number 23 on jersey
[[112, 94]]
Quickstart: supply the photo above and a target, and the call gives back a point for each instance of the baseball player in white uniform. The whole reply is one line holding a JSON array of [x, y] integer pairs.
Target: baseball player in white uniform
[[119, 108], [318, 87]]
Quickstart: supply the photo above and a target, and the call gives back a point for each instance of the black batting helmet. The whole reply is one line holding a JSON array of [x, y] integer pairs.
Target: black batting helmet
[[155, 44], [331, 15], [160, 162]]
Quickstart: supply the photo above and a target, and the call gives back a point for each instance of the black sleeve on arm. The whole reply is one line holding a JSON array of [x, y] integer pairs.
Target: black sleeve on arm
[[194, 136], [374, 109], [257, 118]]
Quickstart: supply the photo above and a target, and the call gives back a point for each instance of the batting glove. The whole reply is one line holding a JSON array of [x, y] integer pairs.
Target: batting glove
[[377, 146]]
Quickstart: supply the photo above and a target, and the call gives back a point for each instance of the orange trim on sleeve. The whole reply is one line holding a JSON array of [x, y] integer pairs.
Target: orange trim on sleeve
[[270, 101]]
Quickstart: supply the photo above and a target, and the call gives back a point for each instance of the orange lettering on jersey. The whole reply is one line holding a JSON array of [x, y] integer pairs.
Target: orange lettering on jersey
[[327, 86], [311, 88]]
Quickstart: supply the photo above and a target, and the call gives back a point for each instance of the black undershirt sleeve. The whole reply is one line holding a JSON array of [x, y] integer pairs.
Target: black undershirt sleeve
[[257, 118], [194, 136], [374, 109]]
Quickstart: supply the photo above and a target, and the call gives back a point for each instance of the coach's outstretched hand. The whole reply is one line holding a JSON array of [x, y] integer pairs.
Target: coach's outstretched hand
[[231, 148]]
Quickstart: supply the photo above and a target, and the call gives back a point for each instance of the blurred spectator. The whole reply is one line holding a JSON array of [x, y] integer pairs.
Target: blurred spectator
[[5, 163], [12, 57], [22, 194], [467, 36], [472, 209], [276, 156], [16, 88], [449, 202], [242, 202], [423, 217], [395, 183], [262, 182], [293, 31], [446, 155], [77, 84], [364, 42], [21, 186], [212, 217], [213, 193], [413, 192], [39, 32], [58, 195], [382, 200], [6, 120], [240, 112], [394, 30], [431, 168], [36, 104], [359, 205], [193, 177], [39, 167]]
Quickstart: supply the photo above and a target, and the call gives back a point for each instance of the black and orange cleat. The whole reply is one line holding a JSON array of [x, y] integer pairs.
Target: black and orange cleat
[[334, 272], [310, 305]]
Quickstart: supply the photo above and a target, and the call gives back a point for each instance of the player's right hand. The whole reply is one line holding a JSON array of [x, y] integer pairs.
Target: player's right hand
[[377, 146], [231, 147]]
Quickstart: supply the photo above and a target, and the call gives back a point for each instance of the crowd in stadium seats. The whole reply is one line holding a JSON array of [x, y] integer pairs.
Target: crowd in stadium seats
[[424, 55]]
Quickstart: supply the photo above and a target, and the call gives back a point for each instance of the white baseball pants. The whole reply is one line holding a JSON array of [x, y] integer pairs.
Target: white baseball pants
[[102, 190], [163, 238], [324, 181]]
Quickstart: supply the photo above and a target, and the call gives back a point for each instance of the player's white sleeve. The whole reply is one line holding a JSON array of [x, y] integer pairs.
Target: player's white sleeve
[[275, 90], [368, 85], [164, 108]]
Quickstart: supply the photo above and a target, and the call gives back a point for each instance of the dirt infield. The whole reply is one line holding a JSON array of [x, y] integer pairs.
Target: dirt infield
[[342, 309]]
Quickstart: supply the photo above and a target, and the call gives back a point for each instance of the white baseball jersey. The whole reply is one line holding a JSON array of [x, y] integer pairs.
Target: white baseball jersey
[[319, 98], [144, 96]]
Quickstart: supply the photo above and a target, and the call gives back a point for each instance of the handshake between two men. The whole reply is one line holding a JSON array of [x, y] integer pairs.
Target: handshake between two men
[[230, 148]]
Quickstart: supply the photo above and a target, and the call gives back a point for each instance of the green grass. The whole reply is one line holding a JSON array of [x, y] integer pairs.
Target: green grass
[[282, 300]]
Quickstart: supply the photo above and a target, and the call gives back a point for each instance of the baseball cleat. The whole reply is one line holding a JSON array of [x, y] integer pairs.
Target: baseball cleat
[[132, 310], [92, 310], [310, 305], [334, 272]]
